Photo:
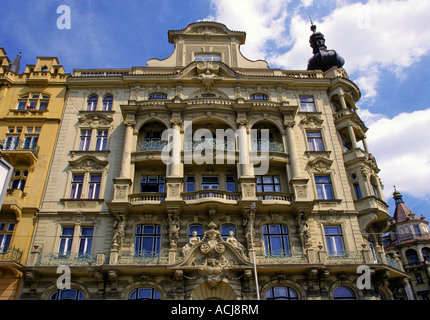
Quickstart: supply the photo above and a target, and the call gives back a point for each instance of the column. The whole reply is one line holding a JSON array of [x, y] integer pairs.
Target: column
[[352, 136], [126, 154], [244, 163], [292, 150]]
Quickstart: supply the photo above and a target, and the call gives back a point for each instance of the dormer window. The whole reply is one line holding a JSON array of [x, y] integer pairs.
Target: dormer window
[[207, 57], [259, 96], [157, 96]]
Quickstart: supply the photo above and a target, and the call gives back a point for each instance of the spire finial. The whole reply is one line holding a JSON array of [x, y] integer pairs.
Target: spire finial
[[313, 27]]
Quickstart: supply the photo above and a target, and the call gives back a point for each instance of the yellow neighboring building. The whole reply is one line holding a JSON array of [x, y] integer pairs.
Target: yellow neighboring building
[[31, 106]]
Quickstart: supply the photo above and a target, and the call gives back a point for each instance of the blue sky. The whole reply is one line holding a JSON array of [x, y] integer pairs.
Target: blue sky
[[386, 45]]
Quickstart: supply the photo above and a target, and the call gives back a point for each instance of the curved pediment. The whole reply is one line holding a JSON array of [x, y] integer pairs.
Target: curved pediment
[[201, 69]]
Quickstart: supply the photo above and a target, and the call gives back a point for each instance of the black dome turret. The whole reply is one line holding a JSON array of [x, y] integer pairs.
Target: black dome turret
[[323, 59]]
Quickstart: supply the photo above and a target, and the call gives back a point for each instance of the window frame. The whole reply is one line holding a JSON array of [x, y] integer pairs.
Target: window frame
[[107, 102], [289, 296], [315, 143], [308, 104], [335, 241], [141, 235], [6, 235], [155, 294], [269, 237], [92, 102], [261, 183], [321, 187]]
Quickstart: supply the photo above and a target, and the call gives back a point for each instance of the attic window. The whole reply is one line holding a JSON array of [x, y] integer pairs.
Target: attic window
[[157, 96], [207, 57], [44, 68], [259, 96]]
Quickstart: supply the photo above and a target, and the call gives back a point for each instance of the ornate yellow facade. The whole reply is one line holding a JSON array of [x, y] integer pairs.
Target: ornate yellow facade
[[31, 106], [287, 203]]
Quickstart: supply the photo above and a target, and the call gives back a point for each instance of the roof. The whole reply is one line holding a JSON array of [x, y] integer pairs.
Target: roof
[[402, 212]]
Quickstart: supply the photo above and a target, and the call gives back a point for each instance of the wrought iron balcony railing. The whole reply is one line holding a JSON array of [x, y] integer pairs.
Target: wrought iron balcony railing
[[71, 259], [209, 144], [19, 145], [270, 146], [12, 254], [144, 257], [153, 145]]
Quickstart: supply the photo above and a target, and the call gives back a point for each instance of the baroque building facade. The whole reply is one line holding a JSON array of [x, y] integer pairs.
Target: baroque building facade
[[210, 176], [408, 238], [31, 106]]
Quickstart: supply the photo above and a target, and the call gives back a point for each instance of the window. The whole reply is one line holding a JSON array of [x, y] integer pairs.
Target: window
[[324, 187], [85, 241], [268, 184], [334, 241], [153, 140], [281, 293], [19, 179], [343, 293], [195, 228], [147, 240], [107, 103], [152, 184], [12, 142], [374, 187], [207, 57], [419, 278], [84, 143], [417, 230], [307, 104], [144, 294], [157, 96], [92, 103], [94, 186], [30, 141], [259, 96], [76, 188], [101, 141], [412, 256], [230, 183], [315, 142], [33, 101], [357, 190], [6, 231], [263, 144], [189, 184], [210, 182], [67, 294], [276, 239], [66, 240], [225, 231]]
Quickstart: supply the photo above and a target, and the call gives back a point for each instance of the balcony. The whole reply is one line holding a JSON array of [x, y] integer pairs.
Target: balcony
[[144, 258], [71, 259], [209, 144], [11, 255], [19, 150], [151, 197], [211, 194], [270, 146], [275, 196], [151, 145], [281, 256]]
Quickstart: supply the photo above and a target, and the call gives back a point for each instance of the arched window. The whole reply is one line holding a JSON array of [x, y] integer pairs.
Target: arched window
[[92, 103], [107, 103], [144, 294], [67, 294], [276, 239], [33, 101], [343, 293], [147, 240], [281, 293], [412, 256], [195, 228]]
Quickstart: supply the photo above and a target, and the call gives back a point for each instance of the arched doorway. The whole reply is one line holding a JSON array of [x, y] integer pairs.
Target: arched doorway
[[222, 292]]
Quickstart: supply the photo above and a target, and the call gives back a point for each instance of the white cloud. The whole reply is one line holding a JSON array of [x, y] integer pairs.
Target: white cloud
[[380, 34], [400, 146]]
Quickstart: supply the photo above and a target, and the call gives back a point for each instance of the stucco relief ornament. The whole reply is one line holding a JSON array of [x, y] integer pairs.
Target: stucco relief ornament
[[118, 231], [173, 229]]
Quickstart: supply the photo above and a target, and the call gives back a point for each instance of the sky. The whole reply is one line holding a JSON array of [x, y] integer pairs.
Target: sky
[[385, 43]]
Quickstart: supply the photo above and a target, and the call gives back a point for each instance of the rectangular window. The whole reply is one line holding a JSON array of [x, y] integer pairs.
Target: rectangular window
[[6, 231], [374, 188], [152, 184], [230, 183], [357, 191], [334, 241], [19, 180], [22, 105], [43, 105], [66, 240], [101, 141], [84, 143], [307, 104], [276, 241], [268, 184], [30, 142], [94, 186], [11, 143], [324, 187], [147, 240], [76, 188], [210, 182], [207, 57], [315, 142], [190, 184], [85, 241]]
